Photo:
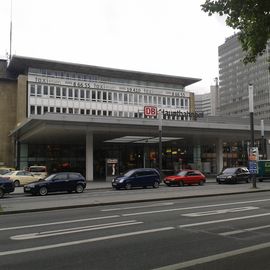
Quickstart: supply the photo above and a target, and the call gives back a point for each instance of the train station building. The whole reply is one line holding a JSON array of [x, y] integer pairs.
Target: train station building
[[100, 121]]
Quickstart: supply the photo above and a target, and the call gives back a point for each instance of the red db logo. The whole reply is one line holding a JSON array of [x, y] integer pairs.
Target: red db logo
[[150, 111]]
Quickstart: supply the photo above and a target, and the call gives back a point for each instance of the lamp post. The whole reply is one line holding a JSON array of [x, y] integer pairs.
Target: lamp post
[[262, 135], [252, 163], [160, 142]]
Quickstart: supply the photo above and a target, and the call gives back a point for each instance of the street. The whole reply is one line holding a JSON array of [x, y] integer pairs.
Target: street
[[223, 232]]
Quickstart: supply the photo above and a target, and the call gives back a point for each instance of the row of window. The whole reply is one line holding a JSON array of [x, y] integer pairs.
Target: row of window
[[38, 110], [95, 78], [104, 96]]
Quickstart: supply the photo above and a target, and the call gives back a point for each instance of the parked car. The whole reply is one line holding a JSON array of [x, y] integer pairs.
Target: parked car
[[4, 170], [234, 175], [39, 171], [6, 186], [185, 177], [141, 177], [64, 181], [20, 177]]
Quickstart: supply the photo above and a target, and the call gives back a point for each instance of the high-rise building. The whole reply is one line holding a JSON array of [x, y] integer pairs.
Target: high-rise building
[[235, 77], [208, 103]]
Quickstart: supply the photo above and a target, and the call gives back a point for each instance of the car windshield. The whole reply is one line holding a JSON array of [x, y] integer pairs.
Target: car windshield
[[129, 173], [182, 173], [9, 173], [229, 170]]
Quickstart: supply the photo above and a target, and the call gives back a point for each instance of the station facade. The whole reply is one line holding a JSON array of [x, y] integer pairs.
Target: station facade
[[102, 121]]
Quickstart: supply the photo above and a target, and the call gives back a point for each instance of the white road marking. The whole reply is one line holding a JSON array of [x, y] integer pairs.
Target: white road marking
[[84, 241], [220, 211], [74, 230], [192, 207], [137, 207], [221, 220], [244, 230], [215, 257], [57, 223]]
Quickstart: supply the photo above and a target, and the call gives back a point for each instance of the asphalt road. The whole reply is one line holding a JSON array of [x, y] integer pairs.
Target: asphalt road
[[224, 232]]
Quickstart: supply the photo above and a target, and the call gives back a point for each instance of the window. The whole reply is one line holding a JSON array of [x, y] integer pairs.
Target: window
[[125, 98], [98, 95], [104, 96], [51, 91], [32, 90], [45, 109], [45, 90], [64, 92], [87, 94], [32, 109], [82, 111], [82, 96], [70, 93], [58, 110], [51, 109], [38, 109], [115, 100], [76, 94], [70, 110], [164, 101], [145, 99], [39, 90], [64, 110], [110, 97], [58, 92]]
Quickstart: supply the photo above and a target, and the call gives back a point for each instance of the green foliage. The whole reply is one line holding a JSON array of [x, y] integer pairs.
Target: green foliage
[[251, 17]]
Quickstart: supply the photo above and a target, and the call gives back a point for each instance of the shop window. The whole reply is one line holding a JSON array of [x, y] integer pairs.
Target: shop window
[[104, 113], [87, 111], [64, 110], [70, 110], [159, 100], [82, 111], [99, 112], [150, 100], [109, 113], [93, 112], [58, 110], [164, 101]]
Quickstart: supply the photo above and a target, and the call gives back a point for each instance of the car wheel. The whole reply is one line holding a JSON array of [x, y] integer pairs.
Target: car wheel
[[201, 182], [43, 191], [2, 193], [128, 186], [17, 183], [79, 189], [181, 184], [156, 184]]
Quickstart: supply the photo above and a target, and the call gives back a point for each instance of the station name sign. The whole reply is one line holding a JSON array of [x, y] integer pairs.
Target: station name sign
[[153, 111], [107, 86]]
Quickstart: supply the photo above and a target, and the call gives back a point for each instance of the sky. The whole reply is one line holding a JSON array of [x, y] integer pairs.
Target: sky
[[172, 37]]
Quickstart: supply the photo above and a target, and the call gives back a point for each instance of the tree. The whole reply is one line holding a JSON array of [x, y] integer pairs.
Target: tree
[[251, 17]]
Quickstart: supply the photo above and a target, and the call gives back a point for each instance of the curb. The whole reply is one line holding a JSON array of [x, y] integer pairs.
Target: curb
[[123, 202]]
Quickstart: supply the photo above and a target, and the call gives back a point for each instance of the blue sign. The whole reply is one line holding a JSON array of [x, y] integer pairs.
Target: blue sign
[[252, 166]]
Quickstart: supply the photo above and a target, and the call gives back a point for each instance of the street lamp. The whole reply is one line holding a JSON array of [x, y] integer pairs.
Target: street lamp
[[262, 135], [252, 163], [160, 142]]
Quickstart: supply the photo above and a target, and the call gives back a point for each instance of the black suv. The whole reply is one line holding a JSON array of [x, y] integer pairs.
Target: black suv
[[234, 175], [6, 186], [64, 181], [142, 177]]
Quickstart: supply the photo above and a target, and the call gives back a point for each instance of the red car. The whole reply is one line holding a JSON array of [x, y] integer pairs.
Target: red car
[[185, 177]]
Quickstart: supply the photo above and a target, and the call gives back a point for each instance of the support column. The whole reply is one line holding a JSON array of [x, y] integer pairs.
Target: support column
[[197, 157], [89, 157], [219, 155]]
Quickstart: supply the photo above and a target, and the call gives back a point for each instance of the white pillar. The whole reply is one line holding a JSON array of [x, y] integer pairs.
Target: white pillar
[[219, 155], [89, 156]]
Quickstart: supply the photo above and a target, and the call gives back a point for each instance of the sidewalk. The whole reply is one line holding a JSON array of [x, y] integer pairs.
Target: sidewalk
[[17, 203]]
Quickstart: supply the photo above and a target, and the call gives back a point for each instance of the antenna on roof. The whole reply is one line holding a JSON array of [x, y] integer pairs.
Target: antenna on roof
[[10, 31]]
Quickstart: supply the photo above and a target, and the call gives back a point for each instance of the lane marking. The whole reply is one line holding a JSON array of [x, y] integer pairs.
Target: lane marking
[[192, 207], [221, 220], [215, 257], [74, 230], [137, 207], [244, 230], [221, 211], [79, 242], [57, 223]]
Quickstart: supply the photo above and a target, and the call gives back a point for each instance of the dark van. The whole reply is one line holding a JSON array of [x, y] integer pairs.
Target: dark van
[[142, 177]]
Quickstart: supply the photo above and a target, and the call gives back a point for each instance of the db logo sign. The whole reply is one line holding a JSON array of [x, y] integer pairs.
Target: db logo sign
[[150, 111]]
